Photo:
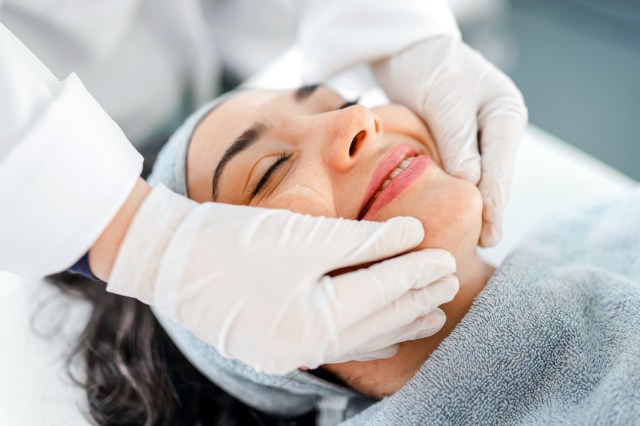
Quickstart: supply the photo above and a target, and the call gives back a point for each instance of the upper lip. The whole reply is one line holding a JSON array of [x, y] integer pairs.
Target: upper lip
[[383, 169]]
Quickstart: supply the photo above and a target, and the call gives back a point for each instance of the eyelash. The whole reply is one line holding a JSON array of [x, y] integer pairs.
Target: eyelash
[[284, 157], [265, 177], [349, 103]]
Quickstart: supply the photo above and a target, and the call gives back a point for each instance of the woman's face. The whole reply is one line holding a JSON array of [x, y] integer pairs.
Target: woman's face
[[310, 152]]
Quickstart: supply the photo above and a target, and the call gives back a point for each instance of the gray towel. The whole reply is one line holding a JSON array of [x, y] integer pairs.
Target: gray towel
[[554, 338]]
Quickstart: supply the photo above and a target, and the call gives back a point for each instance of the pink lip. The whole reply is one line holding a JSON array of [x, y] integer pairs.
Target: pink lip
[[384, 168], [400, 183]]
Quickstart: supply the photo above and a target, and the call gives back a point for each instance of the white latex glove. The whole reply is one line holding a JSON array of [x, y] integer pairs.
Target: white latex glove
[[474, 111], [252, 282]]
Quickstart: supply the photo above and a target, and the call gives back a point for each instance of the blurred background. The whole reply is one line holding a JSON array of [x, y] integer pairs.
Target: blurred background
[[577, 63]]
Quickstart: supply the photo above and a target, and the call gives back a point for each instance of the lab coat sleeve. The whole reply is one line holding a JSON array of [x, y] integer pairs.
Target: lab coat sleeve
[[66, 168], [336, 34]]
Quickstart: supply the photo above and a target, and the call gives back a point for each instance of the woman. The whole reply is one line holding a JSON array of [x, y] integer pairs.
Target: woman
[[314, 153], [528, 351]]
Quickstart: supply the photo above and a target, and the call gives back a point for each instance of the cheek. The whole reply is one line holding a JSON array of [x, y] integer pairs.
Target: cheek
[[302, 199], [450, 210], [452, 214]]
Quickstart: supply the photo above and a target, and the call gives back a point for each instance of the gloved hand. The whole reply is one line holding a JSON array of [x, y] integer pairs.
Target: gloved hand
[[474, 111], [253, 282]]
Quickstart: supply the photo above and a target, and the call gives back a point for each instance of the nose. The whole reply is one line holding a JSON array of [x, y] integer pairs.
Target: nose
[[347, 135]]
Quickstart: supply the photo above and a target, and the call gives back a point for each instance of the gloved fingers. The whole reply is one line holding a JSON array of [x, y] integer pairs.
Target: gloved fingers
[[333, 243], [451, 116], [382, 346], [390, 285], [338, 243], [418, 303], [420, 328], [437, 79], [500, 139], [498, 96]]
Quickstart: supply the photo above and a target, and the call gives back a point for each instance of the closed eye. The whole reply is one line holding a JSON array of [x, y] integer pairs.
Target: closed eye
[[270, 171]]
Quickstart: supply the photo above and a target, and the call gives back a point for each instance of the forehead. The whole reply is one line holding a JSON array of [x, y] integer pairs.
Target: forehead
[[225, 122]]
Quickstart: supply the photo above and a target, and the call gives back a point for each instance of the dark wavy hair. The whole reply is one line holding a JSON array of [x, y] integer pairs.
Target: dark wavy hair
[[133, 374]]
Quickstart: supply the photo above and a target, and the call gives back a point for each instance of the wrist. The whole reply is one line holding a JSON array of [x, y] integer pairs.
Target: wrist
[[103, 253]]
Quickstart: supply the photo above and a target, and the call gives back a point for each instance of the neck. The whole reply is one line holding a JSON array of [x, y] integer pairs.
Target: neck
[[473, 274]]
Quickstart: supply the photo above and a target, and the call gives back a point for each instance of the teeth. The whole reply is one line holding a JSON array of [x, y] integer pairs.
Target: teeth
[[406, 162], [396, 172]]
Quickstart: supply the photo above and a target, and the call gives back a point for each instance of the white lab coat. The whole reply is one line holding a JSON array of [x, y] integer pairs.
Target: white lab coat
[[66, 167]]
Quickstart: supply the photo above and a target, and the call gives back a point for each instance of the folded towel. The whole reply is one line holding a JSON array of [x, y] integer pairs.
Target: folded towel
[[554, 338]]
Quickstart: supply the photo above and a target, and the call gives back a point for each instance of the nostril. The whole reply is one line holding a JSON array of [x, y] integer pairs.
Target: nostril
[[355, 142]]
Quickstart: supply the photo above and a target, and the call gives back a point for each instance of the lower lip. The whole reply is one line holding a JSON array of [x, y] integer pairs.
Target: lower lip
[[400, 183]]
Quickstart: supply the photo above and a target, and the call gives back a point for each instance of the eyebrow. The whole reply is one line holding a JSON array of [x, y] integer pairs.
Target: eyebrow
[[242, 142]]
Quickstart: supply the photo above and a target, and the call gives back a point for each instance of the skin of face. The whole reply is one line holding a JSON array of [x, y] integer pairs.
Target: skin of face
[[331, 154]]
